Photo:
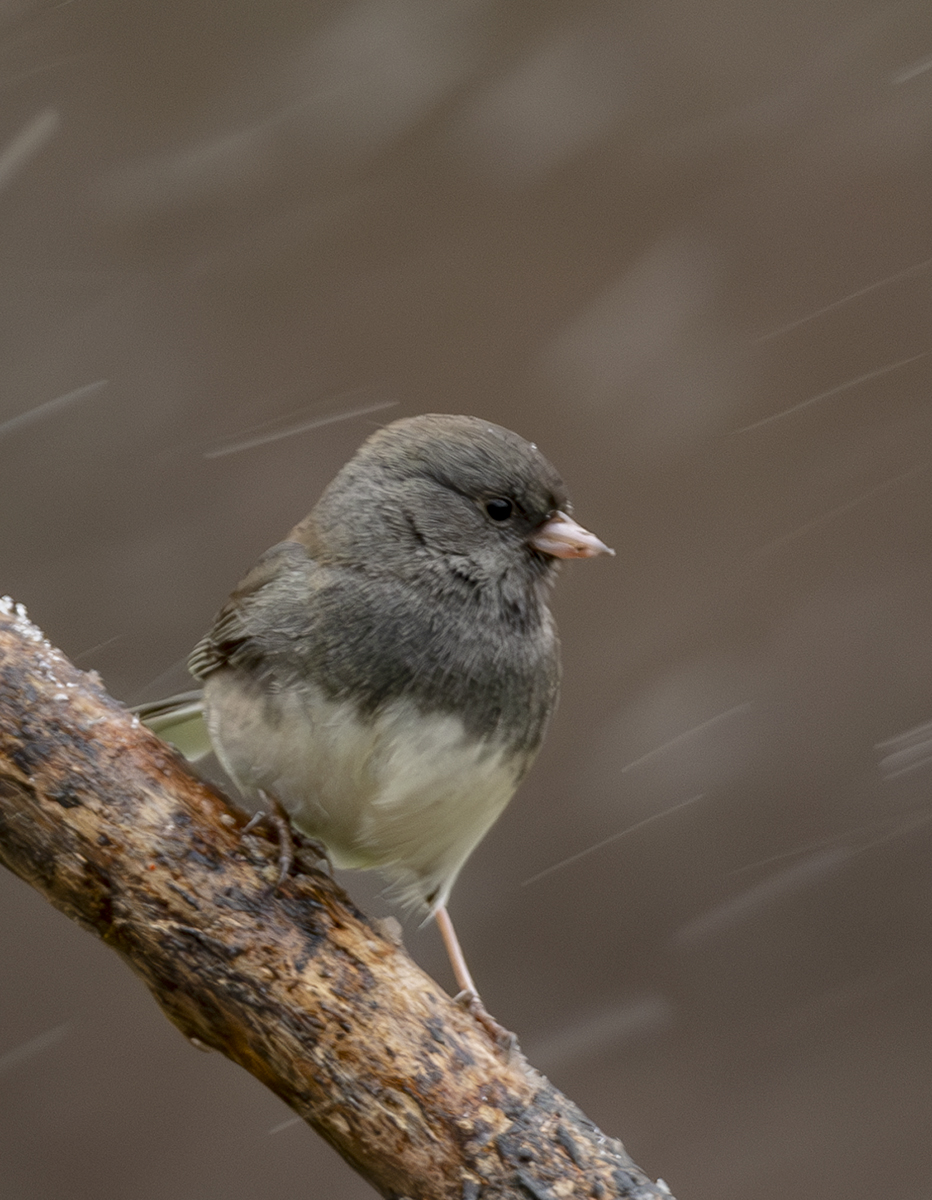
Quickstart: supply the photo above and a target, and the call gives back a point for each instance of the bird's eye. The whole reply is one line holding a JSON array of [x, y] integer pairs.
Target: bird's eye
[[499, 510]]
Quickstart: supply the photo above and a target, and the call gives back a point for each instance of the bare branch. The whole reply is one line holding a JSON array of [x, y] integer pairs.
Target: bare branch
[[294, 984]]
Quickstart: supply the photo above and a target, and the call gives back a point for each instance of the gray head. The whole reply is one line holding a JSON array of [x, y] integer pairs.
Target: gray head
[[448, 489]]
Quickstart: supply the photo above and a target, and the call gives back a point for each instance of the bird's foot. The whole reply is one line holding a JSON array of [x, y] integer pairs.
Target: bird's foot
[[308, 848], [291, 844], [276, 817], [503, 1038]]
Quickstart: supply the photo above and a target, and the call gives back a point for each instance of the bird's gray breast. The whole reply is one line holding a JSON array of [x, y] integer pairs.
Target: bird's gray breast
[[443, 645]]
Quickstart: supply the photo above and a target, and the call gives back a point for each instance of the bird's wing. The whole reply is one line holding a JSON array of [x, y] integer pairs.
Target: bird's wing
[[241, 634], [179, 720], [237, 637]]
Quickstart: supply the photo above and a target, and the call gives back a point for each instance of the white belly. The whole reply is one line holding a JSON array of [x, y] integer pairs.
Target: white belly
[[407, 793]]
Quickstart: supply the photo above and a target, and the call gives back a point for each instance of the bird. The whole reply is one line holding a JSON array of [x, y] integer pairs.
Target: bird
[[386, 674]]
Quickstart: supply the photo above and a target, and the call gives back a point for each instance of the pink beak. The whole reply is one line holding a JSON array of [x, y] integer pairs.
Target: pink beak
[[563, 538]]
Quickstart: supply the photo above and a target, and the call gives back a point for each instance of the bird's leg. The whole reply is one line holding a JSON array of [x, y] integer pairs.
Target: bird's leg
[[467, 995], [455, 952]]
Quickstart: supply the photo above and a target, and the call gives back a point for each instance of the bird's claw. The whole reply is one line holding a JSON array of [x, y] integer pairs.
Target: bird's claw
[[315, 849], [503, 1038], [291, 844], [276, 817]]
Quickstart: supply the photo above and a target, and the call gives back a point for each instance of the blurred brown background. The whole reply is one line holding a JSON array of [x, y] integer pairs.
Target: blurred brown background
[[687, 249]]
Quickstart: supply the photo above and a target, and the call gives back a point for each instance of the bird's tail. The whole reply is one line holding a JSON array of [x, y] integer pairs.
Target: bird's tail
[[179, 720]]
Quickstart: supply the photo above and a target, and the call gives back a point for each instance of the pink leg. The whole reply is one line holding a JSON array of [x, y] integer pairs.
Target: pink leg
[[454, 952], [468, 995]]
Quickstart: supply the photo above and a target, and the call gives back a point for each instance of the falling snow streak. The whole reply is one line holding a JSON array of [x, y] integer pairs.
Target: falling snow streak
[[906, 752], [76, 658], [612, 838], [41, 411], [681, 737], [877, 373], [27, 143], [36, 1045], [594, 1032], [761, 896], [897, 277], [908, 73], [880, 488], [274, 435]]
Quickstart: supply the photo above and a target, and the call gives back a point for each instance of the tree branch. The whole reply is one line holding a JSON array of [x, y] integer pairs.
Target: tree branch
[[296, 985]]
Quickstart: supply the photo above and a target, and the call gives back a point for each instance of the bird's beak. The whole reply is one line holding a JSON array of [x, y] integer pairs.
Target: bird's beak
[[563, 538]]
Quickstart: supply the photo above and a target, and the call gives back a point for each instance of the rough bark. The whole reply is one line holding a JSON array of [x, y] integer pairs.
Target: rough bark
[[294, 984]]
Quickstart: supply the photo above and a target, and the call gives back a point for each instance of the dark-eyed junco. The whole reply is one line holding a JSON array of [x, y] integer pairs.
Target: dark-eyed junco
[[387, 672]]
